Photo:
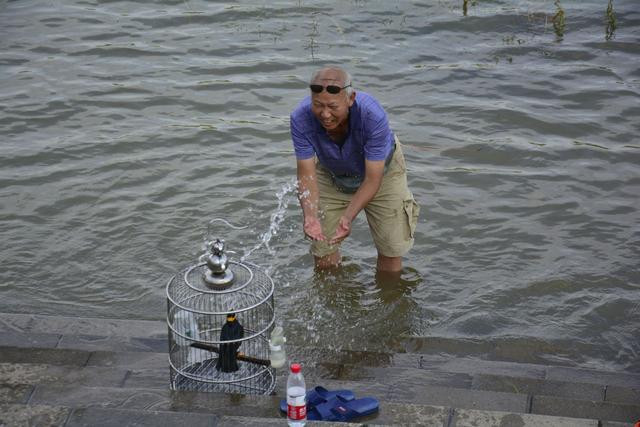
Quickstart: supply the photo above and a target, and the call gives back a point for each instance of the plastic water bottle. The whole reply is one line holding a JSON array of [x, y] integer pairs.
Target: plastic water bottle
[[277, 356], [296, 397]]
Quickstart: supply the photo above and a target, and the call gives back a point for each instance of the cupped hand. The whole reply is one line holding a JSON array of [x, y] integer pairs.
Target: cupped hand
[[342, 231], [313, 229]]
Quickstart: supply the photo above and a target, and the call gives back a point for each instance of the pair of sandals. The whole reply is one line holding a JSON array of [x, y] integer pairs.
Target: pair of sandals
[[337, 405]]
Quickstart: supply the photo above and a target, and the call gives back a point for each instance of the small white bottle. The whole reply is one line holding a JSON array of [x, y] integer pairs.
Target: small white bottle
[[296, 397], [277, 355]]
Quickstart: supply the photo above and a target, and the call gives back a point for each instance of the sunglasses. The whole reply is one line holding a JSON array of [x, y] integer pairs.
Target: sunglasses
[[330, 88]]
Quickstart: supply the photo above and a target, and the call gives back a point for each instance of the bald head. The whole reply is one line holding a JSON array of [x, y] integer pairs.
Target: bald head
[[332, 76]]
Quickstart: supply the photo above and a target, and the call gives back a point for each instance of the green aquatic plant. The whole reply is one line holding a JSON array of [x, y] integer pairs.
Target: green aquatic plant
[[559, 21], [611, 21], [312, 44], [465, 5]]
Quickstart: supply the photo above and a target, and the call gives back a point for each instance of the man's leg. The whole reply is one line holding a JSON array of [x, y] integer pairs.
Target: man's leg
[[389, 264], [392, 216]]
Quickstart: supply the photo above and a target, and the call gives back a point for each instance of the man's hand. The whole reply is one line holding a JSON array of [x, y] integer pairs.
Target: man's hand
[[313, 229], [342, 230]]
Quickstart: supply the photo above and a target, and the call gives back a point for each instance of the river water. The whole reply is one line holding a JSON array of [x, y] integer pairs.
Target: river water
[[128, 125]]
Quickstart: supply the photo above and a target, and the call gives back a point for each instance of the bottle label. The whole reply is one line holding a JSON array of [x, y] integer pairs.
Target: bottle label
[[297, 412]]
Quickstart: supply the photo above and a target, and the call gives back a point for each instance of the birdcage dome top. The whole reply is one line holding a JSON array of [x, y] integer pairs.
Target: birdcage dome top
[[249, 287]]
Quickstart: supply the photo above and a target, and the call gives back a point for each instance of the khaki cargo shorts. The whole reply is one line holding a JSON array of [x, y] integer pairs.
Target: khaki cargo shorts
[[392, 214]]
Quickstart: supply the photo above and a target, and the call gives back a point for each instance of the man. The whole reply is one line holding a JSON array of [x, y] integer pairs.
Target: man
[[348, 159]]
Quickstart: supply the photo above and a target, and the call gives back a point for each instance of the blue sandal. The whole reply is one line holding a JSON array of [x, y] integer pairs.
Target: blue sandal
[[347, 410], [320, 395]]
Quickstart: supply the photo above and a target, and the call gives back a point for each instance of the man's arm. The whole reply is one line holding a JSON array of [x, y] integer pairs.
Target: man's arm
[[374, 172], [308, 195]]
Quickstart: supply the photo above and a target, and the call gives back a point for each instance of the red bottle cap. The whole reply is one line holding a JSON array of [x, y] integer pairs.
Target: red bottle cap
[[295, 368]]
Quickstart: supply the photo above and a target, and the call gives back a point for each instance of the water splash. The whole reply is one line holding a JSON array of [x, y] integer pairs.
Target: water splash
[[284, 195]]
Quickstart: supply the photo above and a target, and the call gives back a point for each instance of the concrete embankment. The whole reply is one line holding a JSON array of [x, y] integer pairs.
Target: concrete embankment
[[68, 371]]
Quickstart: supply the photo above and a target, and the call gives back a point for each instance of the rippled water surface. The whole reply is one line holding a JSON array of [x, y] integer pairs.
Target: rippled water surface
[[126, 126]]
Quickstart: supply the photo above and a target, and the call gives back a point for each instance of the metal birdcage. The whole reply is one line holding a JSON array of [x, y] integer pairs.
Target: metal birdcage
[[219, 314]]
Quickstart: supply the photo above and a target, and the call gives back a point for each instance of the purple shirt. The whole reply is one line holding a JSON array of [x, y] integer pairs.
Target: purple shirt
[[369, 137]]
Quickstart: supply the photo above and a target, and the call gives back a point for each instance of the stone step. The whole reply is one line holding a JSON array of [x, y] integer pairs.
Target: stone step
[[42, 384], [148, 369], [486, 375], [467, 365], [131, 336], [18, 414], [133, 344], [41, 415], [16, 379], [431, 385], [109, 406], [516, 349], [15, 414], [498, 377], [38, 351], [64, 325]]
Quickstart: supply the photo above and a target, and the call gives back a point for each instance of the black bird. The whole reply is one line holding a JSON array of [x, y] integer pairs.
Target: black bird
[[231, 330]]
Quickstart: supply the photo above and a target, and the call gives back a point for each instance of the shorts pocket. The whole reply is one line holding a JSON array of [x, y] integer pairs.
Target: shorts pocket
[[411, 210]]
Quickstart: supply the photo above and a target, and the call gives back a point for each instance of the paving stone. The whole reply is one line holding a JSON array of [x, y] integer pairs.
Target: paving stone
[[61, 325], [227, 404], [43, 356], [156, 400], [376, 389], [119, 417], [129, 359], [148, 378], [314, 378], [583, 409], [341, 357], [416, 391], [615, 424], [18, 393], [488, 367], [582, 391], [112, 343], [470, 366], [32, 415], [475, 418], [22, 373], [31, 373], [453, 397], [259, 422], [239, 421], [422, 361], [577, 375], [21, 340], [398, 375], [391, 413], [319, 372], [268, 408], [106, 397], [527, 351], [622, 394]]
